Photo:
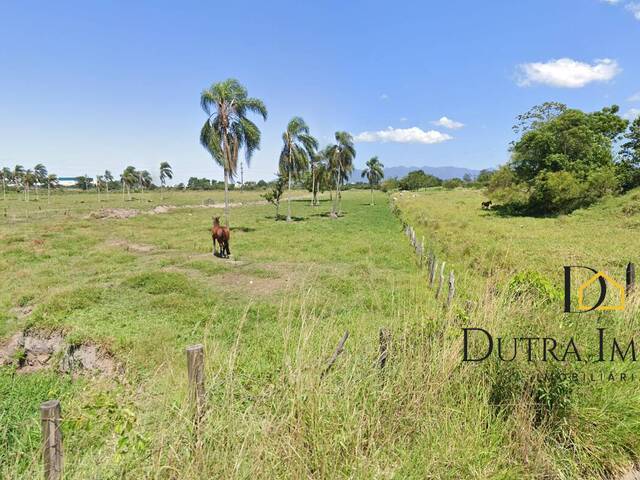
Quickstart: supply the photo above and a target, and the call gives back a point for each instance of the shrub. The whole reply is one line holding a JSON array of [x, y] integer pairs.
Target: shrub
[[533, 284], [556, 192]]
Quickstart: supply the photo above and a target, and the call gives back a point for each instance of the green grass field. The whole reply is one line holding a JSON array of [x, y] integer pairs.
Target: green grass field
[[146, 287]]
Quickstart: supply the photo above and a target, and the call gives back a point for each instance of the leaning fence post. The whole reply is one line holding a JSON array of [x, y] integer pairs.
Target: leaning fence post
[[432, 270], [441, 279], [385, 340], [631, 277], [195, 372], [452, 288], [50, 412], [336, 354]]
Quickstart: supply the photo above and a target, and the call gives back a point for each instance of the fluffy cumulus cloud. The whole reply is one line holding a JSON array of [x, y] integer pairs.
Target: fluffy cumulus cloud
[[403, 135], [448, 123], [567, 73]]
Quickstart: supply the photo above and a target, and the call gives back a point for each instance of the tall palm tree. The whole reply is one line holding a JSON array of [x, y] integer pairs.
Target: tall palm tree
[[165, 172], [374, 173], [144, 180], [340, 158], [129, 177], [108, 178], [5, 173], [227, 129], [28, 180], [52, 181], [40, 172], [16, 177], [315, 163], [298, 147]]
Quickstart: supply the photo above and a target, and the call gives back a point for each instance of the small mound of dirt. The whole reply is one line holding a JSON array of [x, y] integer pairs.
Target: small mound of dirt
[[33, 351], [162, 209], [22, 312], [119, 213]]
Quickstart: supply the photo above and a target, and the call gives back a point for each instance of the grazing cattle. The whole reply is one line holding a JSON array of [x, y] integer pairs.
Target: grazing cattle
[[222, 235], [487, 205]]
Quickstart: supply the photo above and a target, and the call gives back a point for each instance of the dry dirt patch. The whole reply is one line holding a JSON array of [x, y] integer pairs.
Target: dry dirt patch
[[131, 247], [119, 213], [32, 351]]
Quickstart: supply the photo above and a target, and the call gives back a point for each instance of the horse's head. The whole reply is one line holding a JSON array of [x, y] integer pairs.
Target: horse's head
[[216, 221]]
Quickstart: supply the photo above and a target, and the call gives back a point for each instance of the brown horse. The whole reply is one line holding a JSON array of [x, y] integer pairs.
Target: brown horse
[[222, 235]]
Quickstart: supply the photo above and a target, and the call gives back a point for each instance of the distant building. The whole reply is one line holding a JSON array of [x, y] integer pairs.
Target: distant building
[[67, 181]]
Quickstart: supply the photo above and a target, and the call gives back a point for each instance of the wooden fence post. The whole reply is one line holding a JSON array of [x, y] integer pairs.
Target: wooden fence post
[[195, 371], [385, 340], [432, 271], [441, 279], [452, 289], [50, 413], [631, 277], [336, 354]]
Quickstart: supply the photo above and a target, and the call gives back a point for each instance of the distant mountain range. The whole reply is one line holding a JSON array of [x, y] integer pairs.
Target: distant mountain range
[[444, 173]]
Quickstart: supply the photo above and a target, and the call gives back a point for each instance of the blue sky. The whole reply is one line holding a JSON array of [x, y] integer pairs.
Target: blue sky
[[86, 86]]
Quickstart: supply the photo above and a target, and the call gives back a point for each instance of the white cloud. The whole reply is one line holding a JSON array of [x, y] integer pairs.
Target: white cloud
[[634, 8], [384, 96], [448, 123], [403, 135], [403, 119], [632, 114], [634, 98], [567, 73], [611, 2]]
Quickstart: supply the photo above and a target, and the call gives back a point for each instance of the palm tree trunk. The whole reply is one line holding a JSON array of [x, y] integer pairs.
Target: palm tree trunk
[[289, 200], [4, 189], [371, 194], [226, 197], [48, 193], [338, 196], [313, 186]]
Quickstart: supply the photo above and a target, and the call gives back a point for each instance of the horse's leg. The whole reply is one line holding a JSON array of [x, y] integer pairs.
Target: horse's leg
[[227, 246], [213, 238]]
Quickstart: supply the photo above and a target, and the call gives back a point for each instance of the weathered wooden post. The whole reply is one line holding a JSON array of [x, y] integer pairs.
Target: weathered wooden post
[[441, 279], [452, 289], [432, 271], [422, 252], [385, 341], [631, 277], [50, 413], [195, 372], [336, 354]]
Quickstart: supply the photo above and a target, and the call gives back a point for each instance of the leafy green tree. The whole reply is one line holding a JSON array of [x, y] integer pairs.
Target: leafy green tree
[[340, 158], [484, 177], [374, 172], [144, 180], [628, 169], [84, 182], [227, 129], [273, 196], [418, 179], [538, 115], [298, 147], [452, 183], [5, 174], [165, 172]]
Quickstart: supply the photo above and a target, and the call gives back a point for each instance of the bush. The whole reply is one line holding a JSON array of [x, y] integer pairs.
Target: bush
[[452, 183], [533, 284], [556, 192], [417, 180]]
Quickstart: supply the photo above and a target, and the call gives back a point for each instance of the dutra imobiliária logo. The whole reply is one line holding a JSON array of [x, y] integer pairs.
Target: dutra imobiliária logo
[[598, 280]]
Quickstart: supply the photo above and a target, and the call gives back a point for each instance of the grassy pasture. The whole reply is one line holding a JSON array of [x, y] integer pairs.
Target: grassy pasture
[[147, 286]]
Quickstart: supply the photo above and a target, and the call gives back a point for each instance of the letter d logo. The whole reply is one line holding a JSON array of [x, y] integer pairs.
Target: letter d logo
[[567, 289]]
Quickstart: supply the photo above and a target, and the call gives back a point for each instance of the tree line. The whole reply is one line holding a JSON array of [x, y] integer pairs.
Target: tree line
[[228, 130]]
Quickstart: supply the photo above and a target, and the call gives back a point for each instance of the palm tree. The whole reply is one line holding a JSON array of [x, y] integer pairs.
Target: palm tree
[[52, 180], [16, 176], [144, 180], [340, 158], [128, 178], [315, 163], [374, 173], [165, 172], [108, 178], [294, 158], [227, 128], [28, 179], [5, 173], [40, 172]]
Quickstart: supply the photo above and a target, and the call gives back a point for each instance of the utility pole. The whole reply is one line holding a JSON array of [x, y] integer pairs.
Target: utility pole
[[242, 176]]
